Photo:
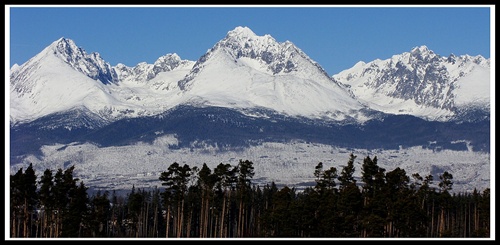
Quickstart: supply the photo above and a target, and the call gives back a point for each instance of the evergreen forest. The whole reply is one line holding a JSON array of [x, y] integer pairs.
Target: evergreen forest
[[199, 202]]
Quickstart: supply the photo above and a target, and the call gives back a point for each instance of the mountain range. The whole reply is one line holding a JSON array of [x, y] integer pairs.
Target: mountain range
[[246, 90], [422, 83]]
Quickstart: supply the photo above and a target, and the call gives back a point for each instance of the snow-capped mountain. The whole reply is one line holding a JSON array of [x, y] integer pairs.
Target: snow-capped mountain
[[144, 72], [249, 95], [421, 83], [91, 65], [251, 86], [63, 77], [244, 70]]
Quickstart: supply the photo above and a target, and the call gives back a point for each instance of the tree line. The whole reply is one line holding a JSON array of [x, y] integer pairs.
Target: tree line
[[223, 203]]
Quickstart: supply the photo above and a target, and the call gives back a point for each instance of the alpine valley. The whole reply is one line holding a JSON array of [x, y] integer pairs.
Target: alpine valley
[[249, 97]]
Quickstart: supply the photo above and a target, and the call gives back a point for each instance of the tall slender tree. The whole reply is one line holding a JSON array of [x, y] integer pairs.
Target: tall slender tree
[[245, 175], [99, 214], [23, 191], [47, 203], [176, 181], [445, 186], [206, 181], [226, 179], [350, 201]]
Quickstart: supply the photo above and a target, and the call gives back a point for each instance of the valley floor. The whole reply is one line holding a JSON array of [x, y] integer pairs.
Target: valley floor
[[291, 164]]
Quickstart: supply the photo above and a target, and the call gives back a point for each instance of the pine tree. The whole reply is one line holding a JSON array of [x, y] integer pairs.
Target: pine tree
[[245, 174], [206, 181], [350, 201], [445, 197], [347, 175], [226, 178], [176, 181], [75, 208], [47, 203], [374, 206], [100, 213], [24, 200]]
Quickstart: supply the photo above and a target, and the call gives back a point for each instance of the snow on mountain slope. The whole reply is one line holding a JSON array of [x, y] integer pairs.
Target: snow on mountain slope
[[152, 88], [244, 70], [46, 84], [472, 75], [143, 72], [420, 83], [63, 77]]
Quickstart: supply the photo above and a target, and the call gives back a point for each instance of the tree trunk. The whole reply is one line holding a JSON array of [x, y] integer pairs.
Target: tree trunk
[[25, 221], [167, 225], [222, 218]]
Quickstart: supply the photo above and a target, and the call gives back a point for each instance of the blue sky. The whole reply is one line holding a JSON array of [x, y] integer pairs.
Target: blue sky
[[335, 36]]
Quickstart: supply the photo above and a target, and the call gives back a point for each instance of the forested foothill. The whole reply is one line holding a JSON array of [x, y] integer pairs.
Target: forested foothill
[[223, 202]]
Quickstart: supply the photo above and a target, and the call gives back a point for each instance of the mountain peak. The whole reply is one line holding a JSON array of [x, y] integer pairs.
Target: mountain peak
[[420, 49], [420, 83], [423, 53], [242, 31], [243, 38], [92, 65], [67, 48]]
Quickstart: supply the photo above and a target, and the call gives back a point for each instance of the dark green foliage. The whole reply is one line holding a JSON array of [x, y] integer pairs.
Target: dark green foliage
[[223, 203], [99, 214], [75, 212], [24, 199], [347, 175]]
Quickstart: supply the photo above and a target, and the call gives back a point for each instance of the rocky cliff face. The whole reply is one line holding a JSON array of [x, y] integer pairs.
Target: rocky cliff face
[[412, 82]]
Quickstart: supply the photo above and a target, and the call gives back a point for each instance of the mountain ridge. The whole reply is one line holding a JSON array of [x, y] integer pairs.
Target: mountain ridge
[[263, 58], [433, 86], [248, 96], [267, 71], [250, 74]]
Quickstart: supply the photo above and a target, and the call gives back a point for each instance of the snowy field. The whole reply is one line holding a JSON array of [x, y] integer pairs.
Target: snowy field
[[292, 164]]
